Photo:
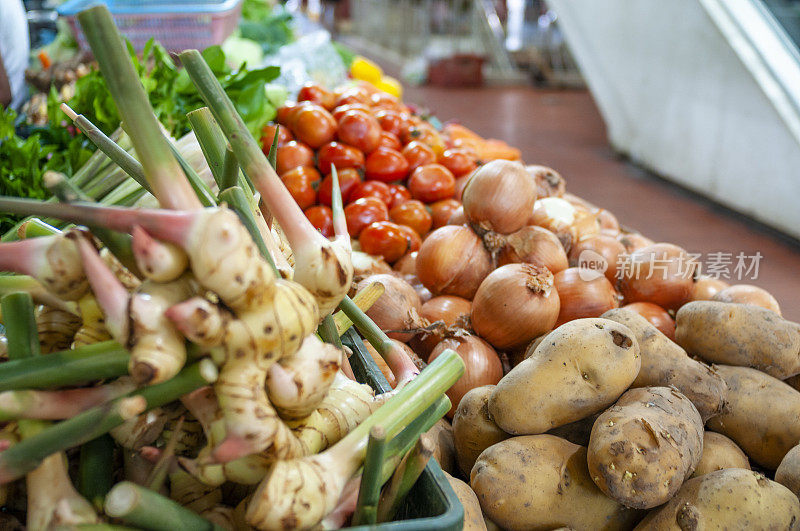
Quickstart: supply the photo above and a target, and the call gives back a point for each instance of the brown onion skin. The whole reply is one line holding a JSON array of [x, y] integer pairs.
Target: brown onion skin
[[397, 309], [453, 261], [482, 366], [365, 265], [706, 287], [498, 197], [514, 304], [606, 246], [458, 217], [381, 363], [461, 183], [549, 183], [578, 201], [608, 222], [423, 292], [671, 275], [747, 294], [633, 241], [583, 298], [534, 245], [407, 265], [656, 315], [447, 308]]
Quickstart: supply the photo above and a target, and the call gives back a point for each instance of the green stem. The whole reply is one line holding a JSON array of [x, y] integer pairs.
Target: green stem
[[125, 194], [147, 509], [20, 322], [24, 283], [162, 171], [236, 199], [230, 171], [99, 161], [272, 156], [212, 141], [198, 185], [35, 227], [95, 469], [329, 333], [404, 478], [66, 368], [371, 332], [107, 183], [160, 471], [96, 527], [366, 512], [92, 423]]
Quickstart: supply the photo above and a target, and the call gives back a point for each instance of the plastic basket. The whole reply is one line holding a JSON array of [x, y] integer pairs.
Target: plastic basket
[[432, 503], [176, 24]]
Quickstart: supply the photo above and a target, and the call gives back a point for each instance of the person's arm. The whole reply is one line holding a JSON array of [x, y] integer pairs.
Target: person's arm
[[5, 86]]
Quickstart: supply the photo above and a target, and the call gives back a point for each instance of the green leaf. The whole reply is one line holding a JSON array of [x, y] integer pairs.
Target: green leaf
[[215, 58]]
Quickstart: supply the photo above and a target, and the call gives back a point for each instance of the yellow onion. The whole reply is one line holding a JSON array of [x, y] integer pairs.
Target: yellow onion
[[597, 252], [549, 183], [661, 273], [656, 315], [633, 241], [457, 217], [608, 222], [533, 245], [706, 287], [448, 310], [570, 223], [381, 363], [747, 294], [365, 265], [423, 292], [481, 365], [407, 265], [397, 309], [453, 261], [498, 197], [579, 202], [583, 293], [514, 304]]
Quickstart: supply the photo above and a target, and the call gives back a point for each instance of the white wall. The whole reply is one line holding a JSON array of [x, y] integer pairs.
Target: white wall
[[680, 100]]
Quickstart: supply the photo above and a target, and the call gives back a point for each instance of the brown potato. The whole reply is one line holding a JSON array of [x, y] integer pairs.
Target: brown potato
[[664, 363], [643, 448], [473, 517], [729, 499], [762, 415], [719, 452], [444, 450], [739, 334], [542, 482], [581, 368], [788, 472], [473, 428]]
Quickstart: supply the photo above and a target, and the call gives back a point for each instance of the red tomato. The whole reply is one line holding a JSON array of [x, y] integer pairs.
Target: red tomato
[[414, 240], [321, 217], [348, 179], [384, 100], [362, 212], [268, 135], [300, 183], [432, 182], [372, 189], [458, 161], [400, 194], [352, 95], [283, 114], [426, 134], [391, 121], [293, 154], [318, 95], [312, 124], [418, 154], [386, 239], [339, 111], [386, 164], [390, 141], [340, 155], [412, 214], [360, 130], [442, 210]]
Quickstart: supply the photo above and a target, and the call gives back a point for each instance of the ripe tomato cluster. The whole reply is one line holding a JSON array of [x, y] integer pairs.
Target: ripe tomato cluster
[[399, 176]]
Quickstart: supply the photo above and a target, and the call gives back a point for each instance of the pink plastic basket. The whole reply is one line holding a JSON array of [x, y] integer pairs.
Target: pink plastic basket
[[177, 26]]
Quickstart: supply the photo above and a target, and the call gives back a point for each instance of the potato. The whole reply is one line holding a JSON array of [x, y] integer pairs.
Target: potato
[[719, 452], [643, 448], [664, 363], [445, 449], [762, 415], [542, 482], [473, 428], [788, 472], [739, 334], [729, 499], [581, 368], [473, 517]]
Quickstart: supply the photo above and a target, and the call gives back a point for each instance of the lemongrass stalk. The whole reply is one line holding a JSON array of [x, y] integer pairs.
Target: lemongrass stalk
[[306, 490], [236, 199], [70, 367], [405, 477], [161, 468], [95, 469], [230, 171], [52, 260], [99, 160], [144, 508], [26, 455], [195, 181], [328, 333], [20, 322], [96, 527], [272, 156], [366, 512], [323, 267], [121, 158], [17, 283], [364, 299], [58, 405], [212, 141], [125, 194], [161, 170], [56, 328], [108, 183], [337, 207], [34, 227]]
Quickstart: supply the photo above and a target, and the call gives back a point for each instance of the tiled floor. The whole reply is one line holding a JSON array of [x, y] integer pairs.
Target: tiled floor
[[564, 130]]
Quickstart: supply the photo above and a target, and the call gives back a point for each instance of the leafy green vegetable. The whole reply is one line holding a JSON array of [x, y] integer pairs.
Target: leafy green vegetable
[[267, 26]]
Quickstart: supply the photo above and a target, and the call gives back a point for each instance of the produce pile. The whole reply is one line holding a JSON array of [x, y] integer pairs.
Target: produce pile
[[609, 384], [181, 367]]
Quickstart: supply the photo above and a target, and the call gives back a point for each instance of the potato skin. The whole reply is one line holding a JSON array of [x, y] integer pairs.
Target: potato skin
[[542, 482], [473, 429], [739, 334], [732, 498], [473, 517], [719, 452], [581, 368], [665, 363], [788, 472], [643, 448], [762, 415], [445, 449]]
